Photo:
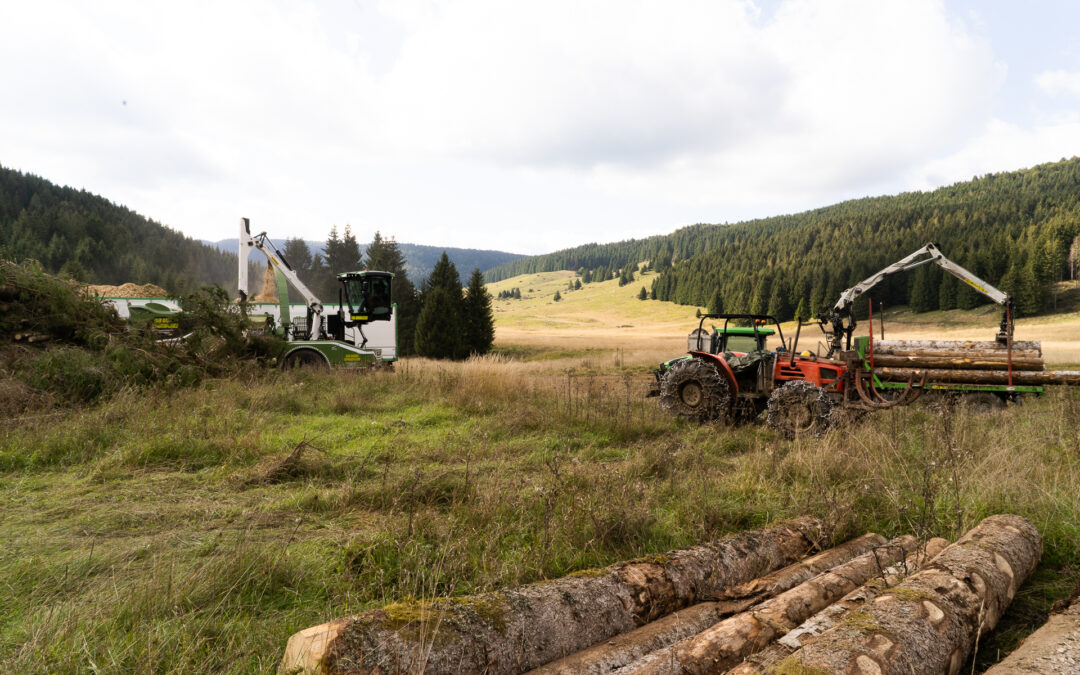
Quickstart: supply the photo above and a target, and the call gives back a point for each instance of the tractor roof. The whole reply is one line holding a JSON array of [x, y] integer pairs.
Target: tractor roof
[[745, 330]]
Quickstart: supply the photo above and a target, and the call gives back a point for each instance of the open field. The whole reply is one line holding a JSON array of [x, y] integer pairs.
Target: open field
[[182, 533]]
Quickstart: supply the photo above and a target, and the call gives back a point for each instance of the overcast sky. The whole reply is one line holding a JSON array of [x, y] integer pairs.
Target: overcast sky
[[521, 126]]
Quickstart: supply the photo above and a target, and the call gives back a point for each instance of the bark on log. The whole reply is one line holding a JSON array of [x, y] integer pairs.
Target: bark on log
[[929, 622], [996, 354], [628, 647], [1053, 649], [519, 629], [956, 362], [724, 645], [755, 664], [955, 346], [938, 375]]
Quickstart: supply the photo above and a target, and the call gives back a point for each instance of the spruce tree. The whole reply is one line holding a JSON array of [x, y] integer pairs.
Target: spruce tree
[[557, 297], [439, 327], [478, 318], [643, 294], [716, 305]]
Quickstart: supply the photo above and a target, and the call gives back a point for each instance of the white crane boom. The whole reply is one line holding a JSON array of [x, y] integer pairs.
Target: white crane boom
[[932, 254], [263, 243]]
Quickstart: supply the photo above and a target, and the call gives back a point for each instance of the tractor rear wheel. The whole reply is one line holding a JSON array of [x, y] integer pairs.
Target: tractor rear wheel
[[799, 409], [696, 390]]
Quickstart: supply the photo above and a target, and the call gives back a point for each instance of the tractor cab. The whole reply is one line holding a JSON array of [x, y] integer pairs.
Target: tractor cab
[[367, 295]]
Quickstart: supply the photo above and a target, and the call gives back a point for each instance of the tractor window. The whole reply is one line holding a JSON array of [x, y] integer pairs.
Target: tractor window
[[741, 343], [369, 297]]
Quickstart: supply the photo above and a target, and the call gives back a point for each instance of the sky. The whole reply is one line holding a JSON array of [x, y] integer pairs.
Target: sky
[[526, 126]]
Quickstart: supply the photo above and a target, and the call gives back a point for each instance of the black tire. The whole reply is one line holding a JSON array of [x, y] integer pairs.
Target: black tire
[[799, 409], [696, 390], [981, 402], [305, 359]]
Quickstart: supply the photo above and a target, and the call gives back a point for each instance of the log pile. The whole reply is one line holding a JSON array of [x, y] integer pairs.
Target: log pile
[[965, 362], [520, 629], [866, 606]]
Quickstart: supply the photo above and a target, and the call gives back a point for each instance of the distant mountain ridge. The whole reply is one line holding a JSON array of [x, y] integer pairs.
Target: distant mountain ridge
[[420, 258]]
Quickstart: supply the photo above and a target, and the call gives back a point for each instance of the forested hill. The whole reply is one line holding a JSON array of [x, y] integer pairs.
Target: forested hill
[[1018, 230], [94, 240]]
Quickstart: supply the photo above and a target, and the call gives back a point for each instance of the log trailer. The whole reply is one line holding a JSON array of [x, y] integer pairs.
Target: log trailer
[[324, 340], [802, 393]]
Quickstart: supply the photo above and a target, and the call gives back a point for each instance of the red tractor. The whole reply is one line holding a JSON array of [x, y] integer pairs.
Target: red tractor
[[731, 375]]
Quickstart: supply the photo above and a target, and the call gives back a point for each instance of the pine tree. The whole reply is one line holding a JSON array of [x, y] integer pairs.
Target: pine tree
[[439, 326], [479, 320], [716, 305], [577, 284], [557, 297], [643, 294]]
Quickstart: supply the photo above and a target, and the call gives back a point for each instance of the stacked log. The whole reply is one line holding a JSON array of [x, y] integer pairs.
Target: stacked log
[[727, 643], [930, 622], [520, 629], [834, 613], [628, 647], [940, 375]]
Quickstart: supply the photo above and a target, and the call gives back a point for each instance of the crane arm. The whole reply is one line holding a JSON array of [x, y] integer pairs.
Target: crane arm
[[926, 254], [263, 243], [929, 253]]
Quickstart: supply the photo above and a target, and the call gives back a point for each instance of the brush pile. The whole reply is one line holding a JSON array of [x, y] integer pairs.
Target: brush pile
[[59, 344], [866, 606]]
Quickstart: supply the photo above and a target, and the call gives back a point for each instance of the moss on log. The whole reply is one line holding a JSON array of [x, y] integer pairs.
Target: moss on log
[[520, 629], [929, 622]]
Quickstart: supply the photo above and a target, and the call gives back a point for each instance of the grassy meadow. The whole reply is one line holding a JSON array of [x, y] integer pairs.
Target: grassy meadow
[[196, 531]]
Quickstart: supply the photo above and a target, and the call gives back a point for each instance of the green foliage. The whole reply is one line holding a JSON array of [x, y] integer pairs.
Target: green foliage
[[643, 294], [1018, 231], [478, 317], [439, 327], [557, 297]]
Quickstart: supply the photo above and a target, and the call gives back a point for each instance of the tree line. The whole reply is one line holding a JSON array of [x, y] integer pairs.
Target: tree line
[[1017, 230]]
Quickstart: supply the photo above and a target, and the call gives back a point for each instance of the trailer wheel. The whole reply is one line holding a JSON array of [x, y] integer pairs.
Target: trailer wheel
[[308, 359], [982, 402], [695, 390], [799, 409]]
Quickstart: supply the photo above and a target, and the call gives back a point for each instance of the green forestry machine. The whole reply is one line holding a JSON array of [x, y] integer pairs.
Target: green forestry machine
[[731, 375], [326, 340]]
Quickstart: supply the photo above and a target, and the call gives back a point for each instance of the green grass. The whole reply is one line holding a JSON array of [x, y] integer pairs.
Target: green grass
[[175, 533]]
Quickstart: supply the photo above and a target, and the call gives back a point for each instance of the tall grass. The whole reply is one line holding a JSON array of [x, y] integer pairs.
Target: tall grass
[[188, 533]]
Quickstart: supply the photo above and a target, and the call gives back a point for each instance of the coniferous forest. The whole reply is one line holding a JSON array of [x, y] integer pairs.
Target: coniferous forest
[[1018, 230], [93, 240]]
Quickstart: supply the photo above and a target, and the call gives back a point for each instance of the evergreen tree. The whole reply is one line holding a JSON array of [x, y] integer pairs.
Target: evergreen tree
[[557, 297], [438, 333], [716, 305], [479, 320], [577, 284], [643, 294]]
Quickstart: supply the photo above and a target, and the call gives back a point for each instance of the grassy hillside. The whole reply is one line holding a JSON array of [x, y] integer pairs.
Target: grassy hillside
[[1018, 230], [182, 533]]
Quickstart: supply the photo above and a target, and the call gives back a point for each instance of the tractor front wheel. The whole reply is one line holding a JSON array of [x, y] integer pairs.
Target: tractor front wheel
[[307, 359], [696, 390], [799, 409]]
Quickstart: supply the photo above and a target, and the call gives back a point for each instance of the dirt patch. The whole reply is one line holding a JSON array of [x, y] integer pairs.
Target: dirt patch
[[128, 290]]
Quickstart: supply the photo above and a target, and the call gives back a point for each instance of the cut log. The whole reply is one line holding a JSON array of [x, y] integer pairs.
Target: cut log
[[628, 647], [724, 645], [834, 613], [956, 362], [955, 346], [938, 375], [996, 354], [1054, 649], [929, 622], [519, 629]]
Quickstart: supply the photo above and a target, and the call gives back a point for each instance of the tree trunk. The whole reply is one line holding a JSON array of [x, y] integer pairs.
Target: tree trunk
[[956, 362], [1054, 649], [954, 346], [724, 645], [519, 629], [937, 375], [755, 664], [623, 649], [930, 621], [1000, 353]]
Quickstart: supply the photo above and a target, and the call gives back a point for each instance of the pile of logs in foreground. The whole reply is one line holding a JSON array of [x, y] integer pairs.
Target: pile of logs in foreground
[[966, 362], [755, 602]]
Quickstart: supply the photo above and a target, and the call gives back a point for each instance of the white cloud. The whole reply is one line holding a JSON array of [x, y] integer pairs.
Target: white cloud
[[1058, 82], [525, 126]]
